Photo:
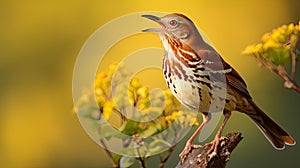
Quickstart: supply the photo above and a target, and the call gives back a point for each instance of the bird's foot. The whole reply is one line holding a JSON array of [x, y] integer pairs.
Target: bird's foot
[[188, 147], [213, 151]]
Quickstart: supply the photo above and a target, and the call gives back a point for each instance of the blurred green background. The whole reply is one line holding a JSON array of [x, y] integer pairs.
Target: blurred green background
[[39, 43]]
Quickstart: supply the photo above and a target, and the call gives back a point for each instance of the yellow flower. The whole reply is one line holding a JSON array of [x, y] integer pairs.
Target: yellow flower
[[258, 48], [142, 107], [144, 104], [193, 121], [169, 118], [175, 114], [248, 50], [113, 67], [275, 35], [168, 93], [270, 44], [135, 83], [101, 75], [290, 29], [100, 100], [142, 91], [108, 109], [297, 27], [131, 97], [98, 91], [265, 37], [163, 122]]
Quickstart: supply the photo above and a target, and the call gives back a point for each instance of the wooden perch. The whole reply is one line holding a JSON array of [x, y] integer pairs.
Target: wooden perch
[[198, 158]]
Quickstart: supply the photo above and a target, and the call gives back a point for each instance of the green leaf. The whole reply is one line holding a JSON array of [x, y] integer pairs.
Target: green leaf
[[116, 158], [127, 161], [129, 127]]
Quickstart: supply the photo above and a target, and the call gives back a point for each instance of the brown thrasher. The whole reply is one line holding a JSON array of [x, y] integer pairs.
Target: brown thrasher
[[201, 80]]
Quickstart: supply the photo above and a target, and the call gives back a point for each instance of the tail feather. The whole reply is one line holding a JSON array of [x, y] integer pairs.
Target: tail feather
[[272, 131]]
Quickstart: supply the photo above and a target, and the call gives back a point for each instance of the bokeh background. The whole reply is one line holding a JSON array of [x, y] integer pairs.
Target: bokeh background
[[39, 43]]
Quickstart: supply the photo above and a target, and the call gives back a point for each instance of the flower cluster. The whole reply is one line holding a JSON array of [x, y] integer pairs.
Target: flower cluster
[[118, 93], [155, 114], [276, 47]]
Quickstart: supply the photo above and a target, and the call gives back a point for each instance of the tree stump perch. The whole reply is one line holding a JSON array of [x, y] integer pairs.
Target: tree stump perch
[[198, 158]]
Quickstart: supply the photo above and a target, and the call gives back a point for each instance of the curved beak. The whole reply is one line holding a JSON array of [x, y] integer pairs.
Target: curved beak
[[155, 19]]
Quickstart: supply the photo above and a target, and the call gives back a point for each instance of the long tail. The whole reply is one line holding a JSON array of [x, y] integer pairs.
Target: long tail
[[272, 131]]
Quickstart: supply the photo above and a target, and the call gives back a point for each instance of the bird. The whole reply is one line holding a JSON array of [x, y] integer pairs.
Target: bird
[[203, 81]]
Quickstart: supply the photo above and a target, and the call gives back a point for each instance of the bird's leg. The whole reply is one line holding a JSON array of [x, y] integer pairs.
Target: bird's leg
[[214, 144], [189, 145]]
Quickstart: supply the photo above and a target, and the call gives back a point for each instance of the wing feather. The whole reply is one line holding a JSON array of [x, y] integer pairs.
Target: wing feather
[[215, 62]]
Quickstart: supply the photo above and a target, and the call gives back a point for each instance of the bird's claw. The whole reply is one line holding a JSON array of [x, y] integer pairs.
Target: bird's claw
[[213, 151], [188, 147], [224, 141], [211, 155]]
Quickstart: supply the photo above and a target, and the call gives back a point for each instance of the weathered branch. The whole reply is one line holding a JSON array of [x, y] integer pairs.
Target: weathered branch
[[198, 158]]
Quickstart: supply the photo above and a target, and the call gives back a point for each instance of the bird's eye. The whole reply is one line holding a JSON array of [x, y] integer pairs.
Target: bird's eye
[[173, 22]]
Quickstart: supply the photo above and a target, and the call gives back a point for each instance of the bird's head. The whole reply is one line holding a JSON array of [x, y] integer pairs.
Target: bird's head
[[176, 25]]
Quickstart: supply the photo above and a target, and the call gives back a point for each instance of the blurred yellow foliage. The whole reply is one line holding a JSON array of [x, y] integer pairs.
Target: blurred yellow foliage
[[275, 46], [115, 91], [143, 113]]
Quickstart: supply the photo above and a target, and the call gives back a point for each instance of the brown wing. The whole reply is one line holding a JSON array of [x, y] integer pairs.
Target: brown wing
[[215, 62], [235, 80]]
